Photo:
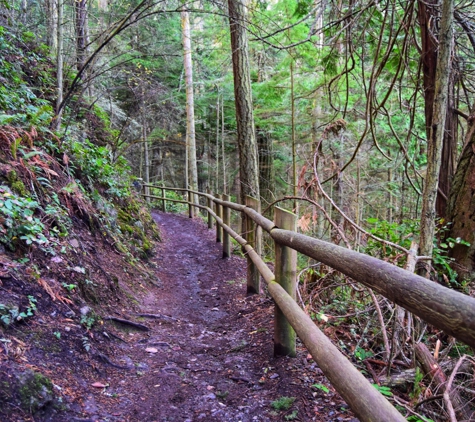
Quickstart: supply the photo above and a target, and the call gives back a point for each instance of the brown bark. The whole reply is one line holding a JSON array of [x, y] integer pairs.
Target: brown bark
[[266, 167], [429, 46], [248, 163], [190, 107], [51, 10], [436, 133], [80, 10], [462, 203]]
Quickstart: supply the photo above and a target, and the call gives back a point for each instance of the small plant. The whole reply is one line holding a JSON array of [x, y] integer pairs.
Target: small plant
[[362, 354], [385, 391], [10, 314], [69, 287], [222, 394], [18, 220], [415, 418], [86, 344], [292, 416], [283, 403], [88, 321], [321, 387], [57, 334], [417, 391]]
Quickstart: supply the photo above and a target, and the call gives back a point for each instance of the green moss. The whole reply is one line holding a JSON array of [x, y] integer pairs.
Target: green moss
[[16, 184], [35, 391]]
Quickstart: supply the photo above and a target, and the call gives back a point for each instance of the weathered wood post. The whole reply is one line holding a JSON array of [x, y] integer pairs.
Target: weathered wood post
[[253, 236], [286, 276], [209, 205], [189, 198], [219, 213], [164, 204], [226, 220]]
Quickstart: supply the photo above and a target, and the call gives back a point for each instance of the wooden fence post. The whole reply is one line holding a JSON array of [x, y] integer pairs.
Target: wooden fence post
[[226, 221], [209, 204], [253, 236], [285, 275], [164, 204], [219, 213], [189, 198]]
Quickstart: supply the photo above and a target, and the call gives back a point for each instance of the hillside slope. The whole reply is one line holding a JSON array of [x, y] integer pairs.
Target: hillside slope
[[75, 238]]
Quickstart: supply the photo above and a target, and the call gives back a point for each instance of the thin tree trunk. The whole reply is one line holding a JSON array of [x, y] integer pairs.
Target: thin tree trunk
[[217, 146], [80, 13], [223, 155], [52, 25], [190, 108], [59, 66], [292, 124], [247, 145], [436, 138], [146, 157]]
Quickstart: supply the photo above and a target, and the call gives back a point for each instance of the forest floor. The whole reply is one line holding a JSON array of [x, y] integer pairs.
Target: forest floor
[[204, 353]]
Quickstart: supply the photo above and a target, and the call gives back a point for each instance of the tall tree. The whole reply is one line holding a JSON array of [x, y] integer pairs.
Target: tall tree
[[190, 107], [51, 11], [81, 23], [248, 162], [435, 141], [428, 18]]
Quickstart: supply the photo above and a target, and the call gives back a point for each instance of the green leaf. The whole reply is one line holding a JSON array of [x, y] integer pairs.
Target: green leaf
[[321, 387]]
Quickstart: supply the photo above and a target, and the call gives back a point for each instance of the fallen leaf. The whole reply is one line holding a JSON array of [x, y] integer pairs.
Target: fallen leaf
[[99, 385], [151, 350]]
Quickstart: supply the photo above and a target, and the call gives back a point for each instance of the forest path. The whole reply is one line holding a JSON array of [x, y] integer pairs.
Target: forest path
[[210, 356]]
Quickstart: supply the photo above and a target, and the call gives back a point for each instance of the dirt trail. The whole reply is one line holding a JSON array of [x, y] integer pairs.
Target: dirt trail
[[209, 356]]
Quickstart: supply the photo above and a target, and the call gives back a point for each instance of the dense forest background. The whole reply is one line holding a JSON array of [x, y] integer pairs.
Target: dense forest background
[[344, 98], [358, 116]]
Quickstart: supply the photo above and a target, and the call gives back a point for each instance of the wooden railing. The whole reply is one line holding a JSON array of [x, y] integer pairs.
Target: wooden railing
[[444, 308]]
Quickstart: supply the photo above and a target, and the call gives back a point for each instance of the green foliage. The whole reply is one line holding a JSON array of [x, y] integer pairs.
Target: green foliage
[[95, 164], [321, 387], [175, 207], [362, 354], [415, 418], [283, 403], [88, 321], [400, 234], [11, 313], [18, 220], [385, 391], [417, 390], [292, 416]]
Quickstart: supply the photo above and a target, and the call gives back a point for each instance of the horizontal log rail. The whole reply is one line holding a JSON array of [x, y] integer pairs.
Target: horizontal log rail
[[444, 308]]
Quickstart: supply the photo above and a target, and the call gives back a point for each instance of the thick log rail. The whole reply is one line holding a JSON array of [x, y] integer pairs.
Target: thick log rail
[[444, 308]]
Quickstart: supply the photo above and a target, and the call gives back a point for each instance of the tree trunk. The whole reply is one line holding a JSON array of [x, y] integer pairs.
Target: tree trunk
[[146, 157], [56, 124], [247, 145], [266, 167], [80, 14], [461, 210], [436, 137], [51, 11], [429, 45], [190, 108]]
